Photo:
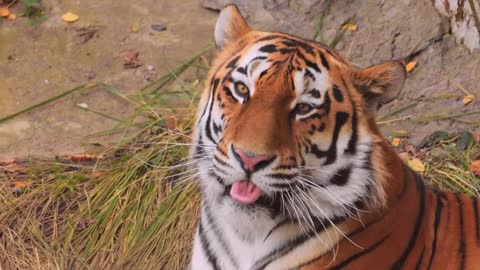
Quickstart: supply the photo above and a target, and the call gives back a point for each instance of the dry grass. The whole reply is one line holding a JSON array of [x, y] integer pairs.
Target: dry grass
[[134, 207]]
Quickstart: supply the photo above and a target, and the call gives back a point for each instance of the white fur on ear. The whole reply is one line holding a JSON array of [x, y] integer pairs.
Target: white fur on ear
[[230, 26], [223, 21]]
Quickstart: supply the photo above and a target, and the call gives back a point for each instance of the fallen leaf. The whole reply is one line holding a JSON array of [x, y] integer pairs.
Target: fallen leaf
[[475, 167], [410, 66], [14, 168], [159, 27], [404, 156], [7, 161], [82, 105], [350, 26], [171, 122], [468, 99], [131, 59], [4, 12], [134, 28], [396, 141], [70, 17], [416, 165], [476, 137], [20, 184], [12, 17], [82, 157]]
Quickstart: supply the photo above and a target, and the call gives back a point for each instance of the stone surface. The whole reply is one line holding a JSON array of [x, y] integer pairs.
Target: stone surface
[[462, 20], [408, 29]]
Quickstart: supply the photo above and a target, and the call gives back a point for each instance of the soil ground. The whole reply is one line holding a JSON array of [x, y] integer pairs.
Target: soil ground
[[41, 61]]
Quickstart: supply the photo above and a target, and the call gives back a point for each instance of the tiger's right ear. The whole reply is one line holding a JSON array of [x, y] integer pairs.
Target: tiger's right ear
[[230, 26]]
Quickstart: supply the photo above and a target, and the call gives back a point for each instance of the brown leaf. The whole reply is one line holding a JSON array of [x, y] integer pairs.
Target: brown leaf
[[7, 161], [475, 167], [131, 59], [82, 157], [476, 137], [12, 17], [14, 168], [171, 122]]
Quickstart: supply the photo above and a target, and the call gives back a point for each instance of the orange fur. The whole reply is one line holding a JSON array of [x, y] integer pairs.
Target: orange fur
[[405, 224]]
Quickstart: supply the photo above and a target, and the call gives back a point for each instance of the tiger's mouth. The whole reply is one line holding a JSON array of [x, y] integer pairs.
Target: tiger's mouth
[[248, 195], [245, 192]]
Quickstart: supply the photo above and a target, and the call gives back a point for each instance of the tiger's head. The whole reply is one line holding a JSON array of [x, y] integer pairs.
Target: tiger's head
[[286, 128]]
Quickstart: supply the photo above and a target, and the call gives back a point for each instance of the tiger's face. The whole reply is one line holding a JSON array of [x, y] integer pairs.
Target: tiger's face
[[285, 128]]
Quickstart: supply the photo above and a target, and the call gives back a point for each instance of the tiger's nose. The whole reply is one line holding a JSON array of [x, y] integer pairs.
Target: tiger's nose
[[251, 162]]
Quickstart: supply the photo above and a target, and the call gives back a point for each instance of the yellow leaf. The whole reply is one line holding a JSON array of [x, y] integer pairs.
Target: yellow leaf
[[404, 156], [70, 17], [467, 99], [396, 141], [416, 165], [351, 27], [135, 27], [4, 12], [410, 66], [12, 17]]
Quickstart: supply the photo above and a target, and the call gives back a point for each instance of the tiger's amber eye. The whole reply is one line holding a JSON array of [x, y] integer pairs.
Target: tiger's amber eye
[[241, 89], [303, 108]]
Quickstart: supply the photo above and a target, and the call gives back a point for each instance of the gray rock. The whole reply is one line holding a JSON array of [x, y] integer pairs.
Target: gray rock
[[412, 29]]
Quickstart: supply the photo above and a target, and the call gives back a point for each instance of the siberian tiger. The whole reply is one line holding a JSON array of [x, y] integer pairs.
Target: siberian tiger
[[295, 174]]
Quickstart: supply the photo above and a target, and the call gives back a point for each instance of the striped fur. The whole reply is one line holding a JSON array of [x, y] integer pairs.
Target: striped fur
[[336, 196]]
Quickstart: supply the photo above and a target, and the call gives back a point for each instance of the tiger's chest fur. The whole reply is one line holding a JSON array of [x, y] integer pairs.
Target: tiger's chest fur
[[294, 171]]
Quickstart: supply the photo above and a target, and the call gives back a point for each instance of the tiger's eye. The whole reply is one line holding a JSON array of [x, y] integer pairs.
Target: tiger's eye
[[303, 108], [241, 89]]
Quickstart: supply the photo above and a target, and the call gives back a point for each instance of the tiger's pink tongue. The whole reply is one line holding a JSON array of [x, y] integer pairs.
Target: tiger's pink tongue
[[245, 192]]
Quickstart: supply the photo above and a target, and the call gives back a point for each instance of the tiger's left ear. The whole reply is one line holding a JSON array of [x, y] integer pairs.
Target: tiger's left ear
[[230, 26], [380, 84]]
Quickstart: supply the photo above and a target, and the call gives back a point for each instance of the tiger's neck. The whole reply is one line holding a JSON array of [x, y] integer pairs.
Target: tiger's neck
[[419, 228]]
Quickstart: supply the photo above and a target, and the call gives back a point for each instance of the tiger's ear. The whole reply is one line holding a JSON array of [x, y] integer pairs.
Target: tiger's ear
[[230, 26], [380, 84]]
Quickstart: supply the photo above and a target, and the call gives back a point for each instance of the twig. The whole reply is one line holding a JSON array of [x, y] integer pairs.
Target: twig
[[399, 110], [441, 117], [12, 3], [394, 120], [475, 16]]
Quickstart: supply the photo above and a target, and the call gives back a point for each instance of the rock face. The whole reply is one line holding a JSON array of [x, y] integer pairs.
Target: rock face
[[464, 20], [409, 29]]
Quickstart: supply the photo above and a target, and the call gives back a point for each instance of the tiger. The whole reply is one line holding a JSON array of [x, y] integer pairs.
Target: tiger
[[294, 172]]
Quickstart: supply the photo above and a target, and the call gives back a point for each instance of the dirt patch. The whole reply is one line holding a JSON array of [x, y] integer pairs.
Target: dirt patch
[[44, 60]]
